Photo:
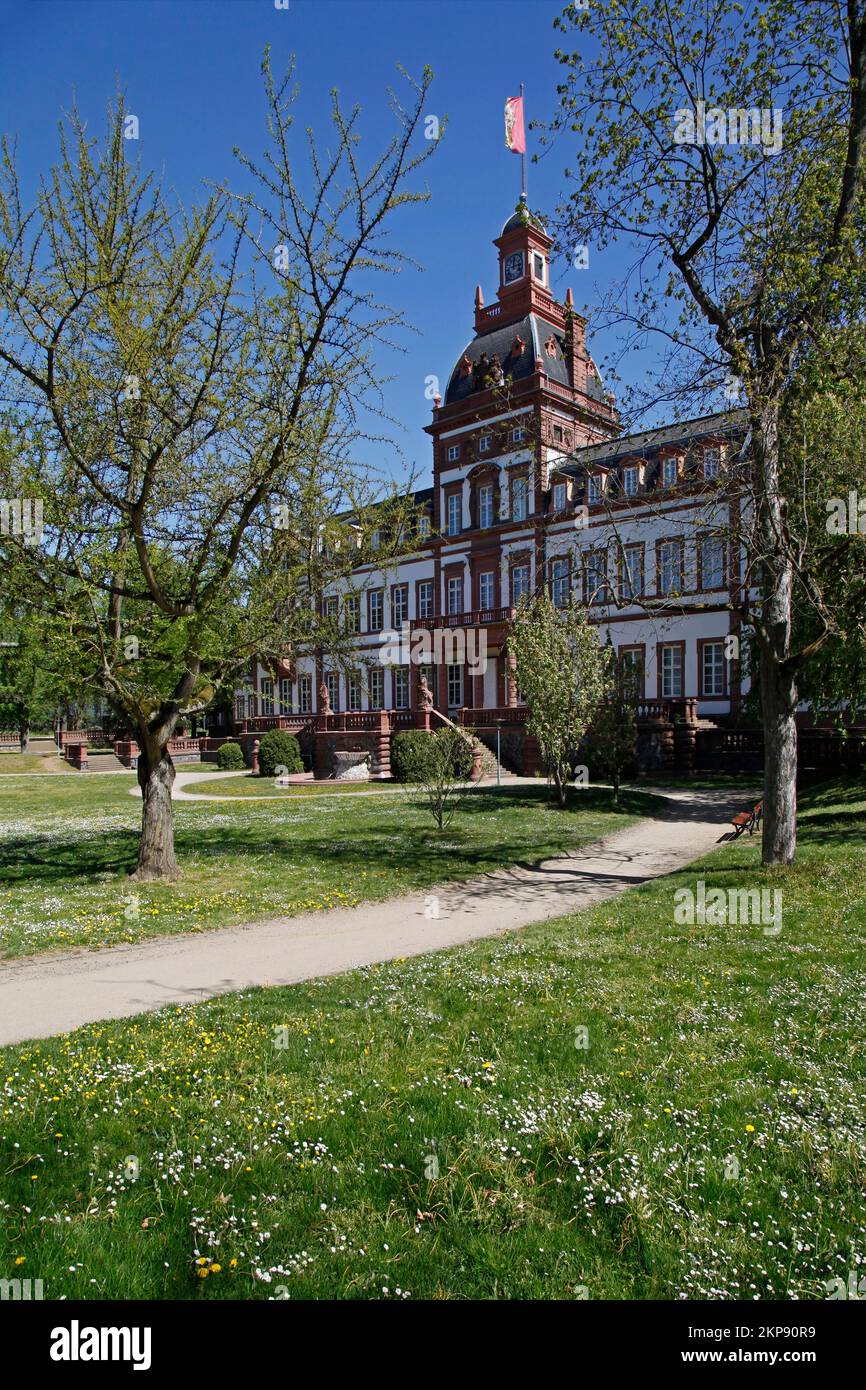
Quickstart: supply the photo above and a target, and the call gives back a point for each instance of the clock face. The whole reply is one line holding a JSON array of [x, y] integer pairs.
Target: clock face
[[513, 268]]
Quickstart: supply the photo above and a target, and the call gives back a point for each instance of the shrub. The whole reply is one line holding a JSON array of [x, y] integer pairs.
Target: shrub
[[407, 754], [410, 754], [279, 749], [230, 757]]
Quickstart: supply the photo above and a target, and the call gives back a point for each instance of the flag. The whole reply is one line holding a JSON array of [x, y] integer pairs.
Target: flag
[[515, 137]]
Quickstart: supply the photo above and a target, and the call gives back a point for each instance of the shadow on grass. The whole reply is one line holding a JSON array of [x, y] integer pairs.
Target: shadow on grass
[[24, 861]]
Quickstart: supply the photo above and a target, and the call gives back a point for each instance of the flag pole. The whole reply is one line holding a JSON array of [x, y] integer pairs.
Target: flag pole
[[523, 154]]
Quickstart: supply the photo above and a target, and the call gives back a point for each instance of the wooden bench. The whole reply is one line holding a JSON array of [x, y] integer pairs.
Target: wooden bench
[[748, 820]]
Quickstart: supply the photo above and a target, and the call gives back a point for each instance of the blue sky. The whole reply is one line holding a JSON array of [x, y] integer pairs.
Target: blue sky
[[190, 69]]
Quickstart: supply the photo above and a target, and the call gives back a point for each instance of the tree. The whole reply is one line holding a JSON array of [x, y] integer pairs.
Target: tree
[[613, 732], [188, 391], [438, 764], [726, 145], [30, 692], [560, 670]]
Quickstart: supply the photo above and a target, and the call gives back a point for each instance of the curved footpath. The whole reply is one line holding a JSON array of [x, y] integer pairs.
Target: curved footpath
[[45, 995]]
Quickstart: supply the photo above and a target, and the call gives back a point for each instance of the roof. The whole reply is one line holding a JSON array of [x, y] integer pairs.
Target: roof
[[645, 443], [498, 344]]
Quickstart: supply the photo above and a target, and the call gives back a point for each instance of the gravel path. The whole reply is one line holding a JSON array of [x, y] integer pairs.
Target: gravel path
[[42, 996]]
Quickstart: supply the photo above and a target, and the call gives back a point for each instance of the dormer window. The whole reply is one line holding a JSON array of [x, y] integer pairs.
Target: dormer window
[[423, 526], [712, 461], [596, 487], [669, 471], [560, 496], [538, 267], [375, 540], [629, 481]]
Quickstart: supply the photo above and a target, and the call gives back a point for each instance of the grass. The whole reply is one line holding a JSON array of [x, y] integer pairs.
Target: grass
[[260, 787], [67, 846], [16, 763], [434, 1128]]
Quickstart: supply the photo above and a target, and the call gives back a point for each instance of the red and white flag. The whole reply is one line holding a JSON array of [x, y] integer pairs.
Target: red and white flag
[[515, 136]]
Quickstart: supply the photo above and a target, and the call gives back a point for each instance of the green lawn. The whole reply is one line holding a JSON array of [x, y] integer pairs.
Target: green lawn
[[707, 1144], [259, 787], [67, 846]]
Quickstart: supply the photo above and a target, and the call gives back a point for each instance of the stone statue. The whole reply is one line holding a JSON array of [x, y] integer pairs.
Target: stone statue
[[426, 695], [324, 700]]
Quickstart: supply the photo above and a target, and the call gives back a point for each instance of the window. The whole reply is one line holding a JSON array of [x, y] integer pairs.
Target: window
[[629, 482], [560, 496], [425, 599], [455, 595], [423, 526], [266, 695], [672, 672], [285, 695], [517, 435], [401, 687], [713, 668], [519, 583], [455, 687], [352, 611], [376, 609], [538, 267], [596, 487], [631, 665], [353, 691], [558, 434], [670, 555], [486, 589], [518, 499], [669, 471], [632, 573], [375, 539], [455, 508], [305, 694], [453, 453], [399, 605], [332, 682], [712, 563], [559, 585], [712, 460], [484, 444], [595, 577], [485, 505], [329, 608], [377, 688]]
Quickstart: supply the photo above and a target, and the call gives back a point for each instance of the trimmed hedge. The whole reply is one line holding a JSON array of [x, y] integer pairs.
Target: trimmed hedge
[[279, 749], [230, 757]]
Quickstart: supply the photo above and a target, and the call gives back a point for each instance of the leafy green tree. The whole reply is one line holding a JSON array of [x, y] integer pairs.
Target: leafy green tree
[[190, 388], [560, 671], [436, 765], [725, 145], [614, 728]]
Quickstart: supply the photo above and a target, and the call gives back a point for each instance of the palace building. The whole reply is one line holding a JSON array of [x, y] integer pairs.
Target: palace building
[[535, 485]]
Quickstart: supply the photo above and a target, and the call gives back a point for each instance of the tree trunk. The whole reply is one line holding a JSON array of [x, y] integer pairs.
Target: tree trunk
[[778, 703], [24, 737], [778, 678], [155, 777]]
